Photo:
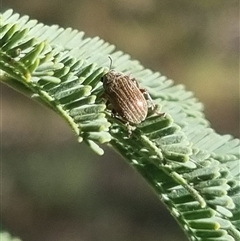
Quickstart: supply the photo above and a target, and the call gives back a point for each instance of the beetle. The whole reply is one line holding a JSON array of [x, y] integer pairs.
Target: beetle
[[129, 103]]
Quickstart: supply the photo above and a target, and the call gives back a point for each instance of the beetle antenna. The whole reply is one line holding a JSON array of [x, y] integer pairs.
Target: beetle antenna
[[111, 61]]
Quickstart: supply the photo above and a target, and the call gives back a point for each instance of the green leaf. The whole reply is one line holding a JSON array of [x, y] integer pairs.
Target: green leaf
[[192, 169]]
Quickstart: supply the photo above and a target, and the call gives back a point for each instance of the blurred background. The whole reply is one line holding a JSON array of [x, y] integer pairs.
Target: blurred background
[[56, 189]]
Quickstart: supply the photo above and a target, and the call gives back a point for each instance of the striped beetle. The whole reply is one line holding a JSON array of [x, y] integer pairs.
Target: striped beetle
[[129, 103]]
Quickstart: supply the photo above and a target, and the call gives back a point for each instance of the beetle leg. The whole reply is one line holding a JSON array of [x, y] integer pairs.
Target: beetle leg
[[135, 82], [129, 129], [151, 106], [126, 123], [108, 105], [114, 113]]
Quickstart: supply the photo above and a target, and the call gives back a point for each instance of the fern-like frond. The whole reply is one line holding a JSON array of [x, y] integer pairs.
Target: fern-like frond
[[193, 170]]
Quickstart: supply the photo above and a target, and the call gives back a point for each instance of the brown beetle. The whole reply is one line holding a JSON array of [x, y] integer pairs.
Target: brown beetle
[[128, 102]]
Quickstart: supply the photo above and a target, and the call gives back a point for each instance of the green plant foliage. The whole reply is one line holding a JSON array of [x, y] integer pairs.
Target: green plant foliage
[[192, 169]]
